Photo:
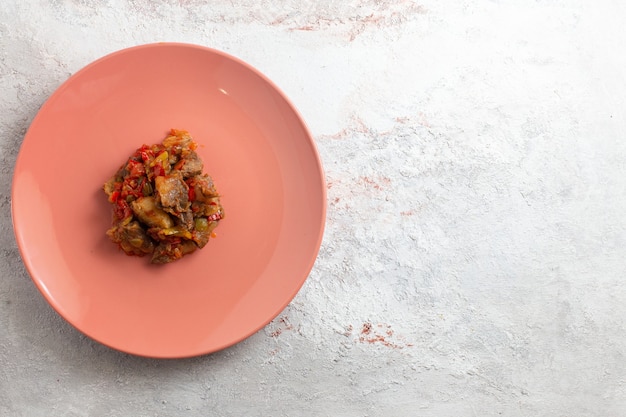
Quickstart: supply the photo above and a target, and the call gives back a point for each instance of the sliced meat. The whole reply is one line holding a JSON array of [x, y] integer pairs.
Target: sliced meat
[[204, 188], [191, 165], [207, 200], [131, 238], [207, 209], [168, 252], [172, 192], [147, 211], [185, 219]]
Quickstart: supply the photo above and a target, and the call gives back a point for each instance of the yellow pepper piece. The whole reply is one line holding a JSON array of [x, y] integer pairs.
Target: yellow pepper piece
[[163, 157]]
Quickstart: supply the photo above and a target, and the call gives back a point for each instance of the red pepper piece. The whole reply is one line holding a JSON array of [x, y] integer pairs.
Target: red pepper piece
[[122, 210], [115, 195], [158, 171], [146, 153], [215, 217], [135, 169]]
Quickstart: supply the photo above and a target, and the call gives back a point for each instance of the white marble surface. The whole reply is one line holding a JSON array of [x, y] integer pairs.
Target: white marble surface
[[473, 262]]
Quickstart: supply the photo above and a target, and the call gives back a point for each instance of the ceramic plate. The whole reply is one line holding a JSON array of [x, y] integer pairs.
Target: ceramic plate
[[255, 146]]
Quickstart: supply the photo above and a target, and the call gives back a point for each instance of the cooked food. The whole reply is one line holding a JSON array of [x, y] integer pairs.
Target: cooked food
[[163, 205]]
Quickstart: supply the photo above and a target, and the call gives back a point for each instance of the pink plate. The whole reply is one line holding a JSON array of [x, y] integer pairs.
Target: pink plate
[[255, 146]]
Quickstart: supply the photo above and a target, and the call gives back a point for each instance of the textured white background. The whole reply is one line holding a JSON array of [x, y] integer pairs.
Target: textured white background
[[476, 167]]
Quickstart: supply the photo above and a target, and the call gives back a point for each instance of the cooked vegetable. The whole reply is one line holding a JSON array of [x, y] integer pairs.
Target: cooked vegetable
[[163, 205]]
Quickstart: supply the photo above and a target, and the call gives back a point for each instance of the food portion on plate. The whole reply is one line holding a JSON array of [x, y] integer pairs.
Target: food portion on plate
[[164, 206]]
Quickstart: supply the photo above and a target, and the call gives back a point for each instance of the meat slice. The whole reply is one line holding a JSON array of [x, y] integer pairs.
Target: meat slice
[[168, 252], [131, 238], [191, 165], [185, 219], [147, 211], [172, 192], [204, 188]]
